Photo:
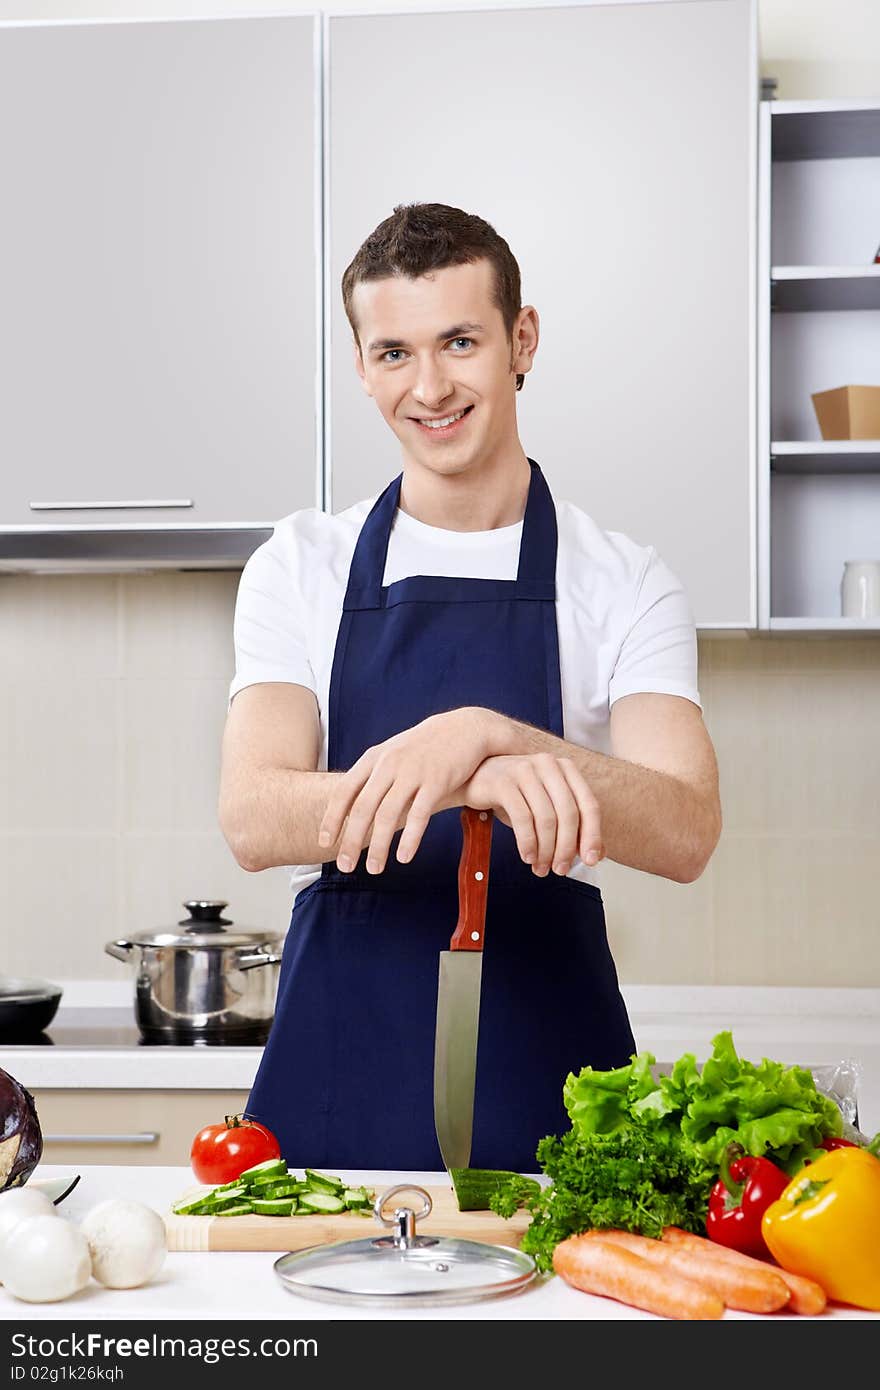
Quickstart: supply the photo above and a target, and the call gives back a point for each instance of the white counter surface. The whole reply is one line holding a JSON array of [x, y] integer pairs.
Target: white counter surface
[[223, 1285]]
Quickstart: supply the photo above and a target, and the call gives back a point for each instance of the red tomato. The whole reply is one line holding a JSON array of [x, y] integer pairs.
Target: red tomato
[[220, 1153]]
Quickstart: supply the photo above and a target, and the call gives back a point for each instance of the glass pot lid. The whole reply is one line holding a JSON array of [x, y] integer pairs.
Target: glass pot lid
[[205, 926], [403, 1268]]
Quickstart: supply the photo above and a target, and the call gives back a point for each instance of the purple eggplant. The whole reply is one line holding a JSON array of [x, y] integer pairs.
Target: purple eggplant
[[21, 1139]]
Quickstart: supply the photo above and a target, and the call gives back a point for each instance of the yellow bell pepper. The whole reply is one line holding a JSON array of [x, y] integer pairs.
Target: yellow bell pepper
[[826, 1226]]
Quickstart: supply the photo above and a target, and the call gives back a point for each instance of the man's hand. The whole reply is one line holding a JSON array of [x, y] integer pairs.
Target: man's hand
[[547, 803], [401, 783]]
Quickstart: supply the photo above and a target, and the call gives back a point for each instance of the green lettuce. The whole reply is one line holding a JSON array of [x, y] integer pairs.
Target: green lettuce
[[769, 1108]]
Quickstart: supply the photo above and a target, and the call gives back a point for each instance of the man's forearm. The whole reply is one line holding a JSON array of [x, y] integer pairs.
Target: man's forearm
[[273, 818], [650, 820]]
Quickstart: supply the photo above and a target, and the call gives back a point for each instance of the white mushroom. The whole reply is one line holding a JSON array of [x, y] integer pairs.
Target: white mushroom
[[18, 1202], [127, 1241], [45, 1259]]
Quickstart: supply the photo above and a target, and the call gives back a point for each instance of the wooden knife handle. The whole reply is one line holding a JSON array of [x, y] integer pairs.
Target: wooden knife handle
[[473, 880]]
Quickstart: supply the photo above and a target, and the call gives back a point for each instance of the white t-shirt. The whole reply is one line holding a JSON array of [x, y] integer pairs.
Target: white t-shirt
[[624, 622]]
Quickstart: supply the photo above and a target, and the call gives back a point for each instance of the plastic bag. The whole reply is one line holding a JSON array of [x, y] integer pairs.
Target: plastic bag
[[840, 1081]]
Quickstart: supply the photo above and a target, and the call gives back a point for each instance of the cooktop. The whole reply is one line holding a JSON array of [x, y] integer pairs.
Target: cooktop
[[103, 1028]]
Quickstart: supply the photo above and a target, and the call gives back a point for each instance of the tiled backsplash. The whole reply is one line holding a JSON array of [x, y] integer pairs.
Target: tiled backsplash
[[112, 703]]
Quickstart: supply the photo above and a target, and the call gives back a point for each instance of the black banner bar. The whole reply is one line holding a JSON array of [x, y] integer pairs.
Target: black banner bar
[[286, 1353]]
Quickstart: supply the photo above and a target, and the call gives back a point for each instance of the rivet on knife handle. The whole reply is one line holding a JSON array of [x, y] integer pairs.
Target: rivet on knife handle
[[473, 880]]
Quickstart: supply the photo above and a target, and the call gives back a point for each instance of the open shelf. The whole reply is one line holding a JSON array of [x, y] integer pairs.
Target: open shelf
[[805, 287], [819, 300], [825, 129], [827, 456]]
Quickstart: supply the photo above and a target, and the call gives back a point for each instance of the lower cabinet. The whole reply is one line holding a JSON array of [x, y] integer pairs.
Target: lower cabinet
[[137, 1127]]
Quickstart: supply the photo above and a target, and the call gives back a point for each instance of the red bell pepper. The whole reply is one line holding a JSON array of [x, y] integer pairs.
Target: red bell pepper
[[832, 1144], [745, 1189]]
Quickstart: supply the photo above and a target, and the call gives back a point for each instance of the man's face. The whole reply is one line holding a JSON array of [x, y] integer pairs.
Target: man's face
[[436, 347]]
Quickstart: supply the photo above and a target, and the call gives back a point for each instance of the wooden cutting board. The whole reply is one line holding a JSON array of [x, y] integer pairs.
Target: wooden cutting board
[[201, 1233]]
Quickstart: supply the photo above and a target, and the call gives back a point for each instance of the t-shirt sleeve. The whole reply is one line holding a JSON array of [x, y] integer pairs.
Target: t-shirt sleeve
[[658, 655], [269, 627]]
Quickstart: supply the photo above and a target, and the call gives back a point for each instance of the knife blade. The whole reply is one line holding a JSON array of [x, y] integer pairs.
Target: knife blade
[[458, 996]]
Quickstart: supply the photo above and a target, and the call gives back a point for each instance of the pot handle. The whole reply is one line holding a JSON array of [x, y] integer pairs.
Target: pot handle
[[253, 958], [120, 949]]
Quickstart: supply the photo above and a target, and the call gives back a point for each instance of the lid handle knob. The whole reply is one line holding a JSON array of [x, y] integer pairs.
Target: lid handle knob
[[404, 1217], [205, 914]]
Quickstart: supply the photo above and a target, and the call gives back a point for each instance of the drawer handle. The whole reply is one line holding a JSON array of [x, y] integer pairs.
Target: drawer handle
[[109, 506], [147, 1136]]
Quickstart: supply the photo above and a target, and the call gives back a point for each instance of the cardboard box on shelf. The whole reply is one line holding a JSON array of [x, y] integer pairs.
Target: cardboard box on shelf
[[848, 412]]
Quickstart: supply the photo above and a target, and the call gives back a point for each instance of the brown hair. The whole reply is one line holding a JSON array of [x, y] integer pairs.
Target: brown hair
[[419, 237]]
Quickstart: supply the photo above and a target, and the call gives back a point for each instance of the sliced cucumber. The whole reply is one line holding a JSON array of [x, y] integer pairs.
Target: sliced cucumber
[[268, 1179], [355, 1198], [475, 1186], [269, 1191], [191, 1206], [321, 1201], [269, 1165], [282, 1206], [222, 1200], [228, 1194], [323, 1182]]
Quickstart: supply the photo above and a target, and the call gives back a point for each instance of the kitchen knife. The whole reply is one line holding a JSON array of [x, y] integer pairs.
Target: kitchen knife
[[458, 996]]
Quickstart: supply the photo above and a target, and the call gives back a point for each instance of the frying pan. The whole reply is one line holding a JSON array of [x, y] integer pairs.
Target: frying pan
[[27, 1006]]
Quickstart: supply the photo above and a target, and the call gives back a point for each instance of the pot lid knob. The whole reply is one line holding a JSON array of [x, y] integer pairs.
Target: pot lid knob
[[404, 1218], [205, 914]]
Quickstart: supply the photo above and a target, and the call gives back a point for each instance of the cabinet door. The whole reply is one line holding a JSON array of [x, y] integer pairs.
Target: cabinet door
[[139, 1127], [613, 148], [157, 272]]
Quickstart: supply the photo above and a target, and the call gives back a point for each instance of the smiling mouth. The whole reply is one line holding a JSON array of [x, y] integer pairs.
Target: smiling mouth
[[444, 425]]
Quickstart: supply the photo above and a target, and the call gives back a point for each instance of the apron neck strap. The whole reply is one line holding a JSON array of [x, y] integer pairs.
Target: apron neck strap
[[537, 547], [536, 572]]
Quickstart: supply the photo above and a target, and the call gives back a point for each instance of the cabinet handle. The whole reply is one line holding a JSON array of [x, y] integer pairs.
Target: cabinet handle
[[110, 506], [147, 1136]]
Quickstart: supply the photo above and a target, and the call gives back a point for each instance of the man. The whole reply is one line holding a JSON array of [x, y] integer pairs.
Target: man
[[463, 640]]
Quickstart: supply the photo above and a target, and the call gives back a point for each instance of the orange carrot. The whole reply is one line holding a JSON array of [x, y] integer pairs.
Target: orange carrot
[[596, 1266], [754, 1291], [805, 1295]]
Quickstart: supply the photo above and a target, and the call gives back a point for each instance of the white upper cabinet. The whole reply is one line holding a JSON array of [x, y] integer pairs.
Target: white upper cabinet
[[614, 148], [158, 338]]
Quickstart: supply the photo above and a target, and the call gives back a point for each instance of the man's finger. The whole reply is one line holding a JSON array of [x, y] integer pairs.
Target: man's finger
[[342, 797], [543, 815], [360, 820], [519, 817], [389, 814], [567, 813], [420, 812], [591, 848]]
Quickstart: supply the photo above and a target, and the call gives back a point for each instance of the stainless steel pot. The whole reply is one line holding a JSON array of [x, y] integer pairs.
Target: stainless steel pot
[[199, 982]]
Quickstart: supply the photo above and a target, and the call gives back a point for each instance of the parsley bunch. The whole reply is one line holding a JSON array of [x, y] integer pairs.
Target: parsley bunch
[[635, 1179]]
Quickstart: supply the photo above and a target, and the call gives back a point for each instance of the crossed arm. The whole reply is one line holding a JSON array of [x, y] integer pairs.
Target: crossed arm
[[652, 804]]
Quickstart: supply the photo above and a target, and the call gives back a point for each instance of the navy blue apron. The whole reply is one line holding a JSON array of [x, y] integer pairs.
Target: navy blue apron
[[346, 1076]]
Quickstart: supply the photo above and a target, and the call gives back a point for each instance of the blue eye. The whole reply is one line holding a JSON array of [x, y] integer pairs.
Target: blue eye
[[469, 341], [388, 354]]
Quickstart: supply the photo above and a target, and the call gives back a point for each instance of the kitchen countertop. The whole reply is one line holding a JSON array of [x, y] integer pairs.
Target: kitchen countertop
[[227, 1285], [98, 1048]]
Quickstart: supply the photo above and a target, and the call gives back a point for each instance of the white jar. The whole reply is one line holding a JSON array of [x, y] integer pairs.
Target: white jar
[[860, 589]]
